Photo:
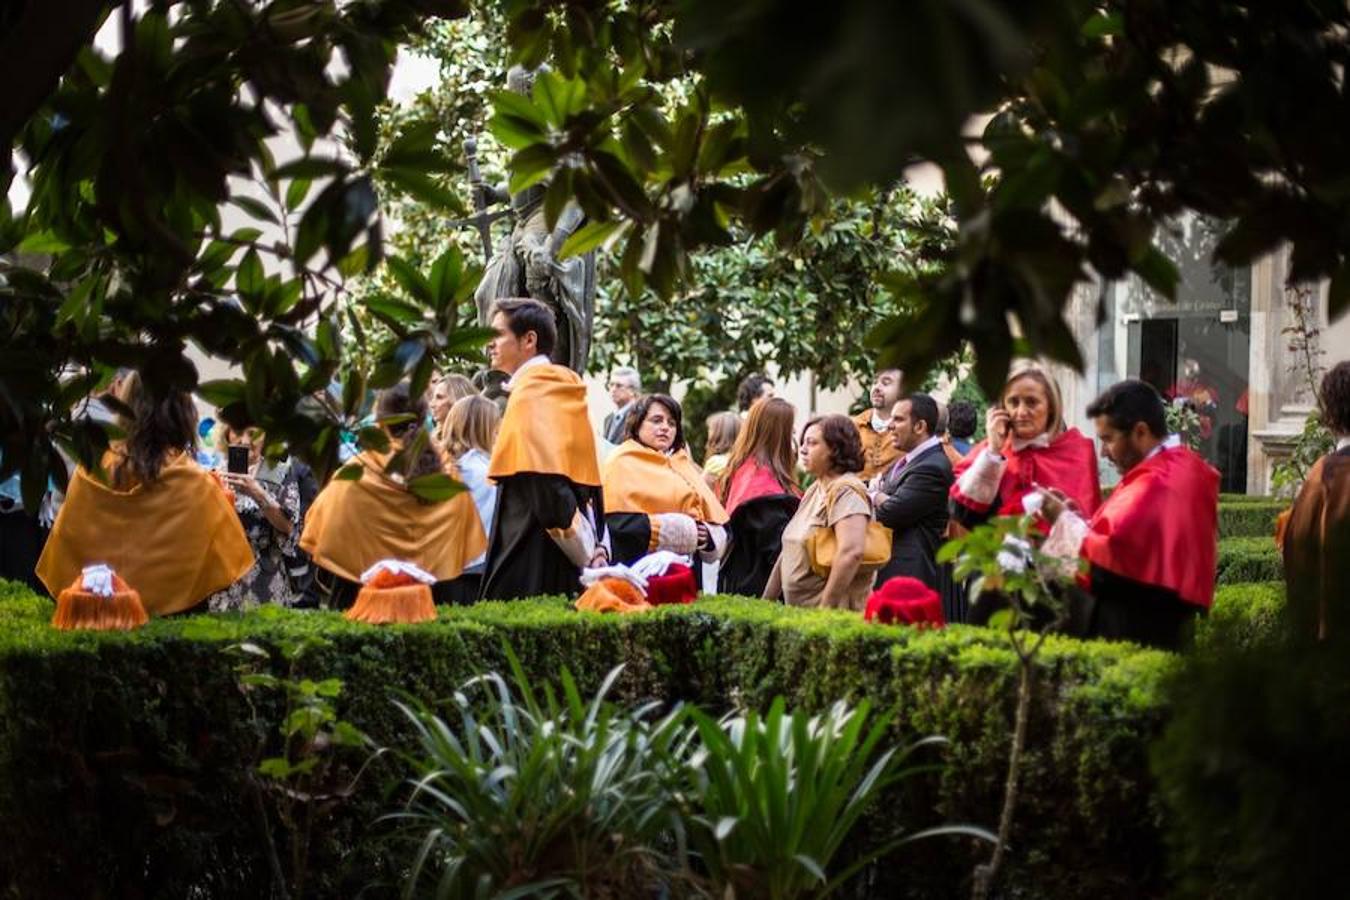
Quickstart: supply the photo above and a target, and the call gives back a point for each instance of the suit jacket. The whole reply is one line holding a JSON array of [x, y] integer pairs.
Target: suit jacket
[[914, 507], [613, 430]]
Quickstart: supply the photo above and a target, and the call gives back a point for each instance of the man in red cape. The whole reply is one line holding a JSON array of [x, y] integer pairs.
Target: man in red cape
[[1152, 545]]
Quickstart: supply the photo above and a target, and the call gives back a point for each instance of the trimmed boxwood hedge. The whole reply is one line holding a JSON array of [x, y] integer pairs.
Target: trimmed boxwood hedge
[[124, 757], [1252, 519], [1249, 559]]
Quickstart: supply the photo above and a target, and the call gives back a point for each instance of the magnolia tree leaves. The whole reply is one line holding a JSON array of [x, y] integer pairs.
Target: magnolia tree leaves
[[121, 256]]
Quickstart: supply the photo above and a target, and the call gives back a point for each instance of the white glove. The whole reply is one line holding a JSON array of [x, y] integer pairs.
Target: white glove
[[657, 563], [98, 579], [618, 570], [398, 567]]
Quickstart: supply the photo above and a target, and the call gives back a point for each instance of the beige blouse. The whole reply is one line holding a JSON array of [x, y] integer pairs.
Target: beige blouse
[[802, 586]]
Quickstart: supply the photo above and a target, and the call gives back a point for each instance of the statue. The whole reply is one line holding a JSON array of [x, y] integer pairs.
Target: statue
[[525, 262]]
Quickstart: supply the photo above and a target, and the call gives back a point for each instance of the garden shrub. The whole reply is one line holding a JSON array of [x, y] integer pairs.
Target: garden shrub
[[1253, 519], [1249, 559], [125, 757]]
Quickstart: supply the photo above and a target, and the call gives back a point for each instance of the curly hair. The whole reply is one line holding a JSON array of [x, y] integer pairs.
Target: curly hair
[[841, 437], [1334, 397]]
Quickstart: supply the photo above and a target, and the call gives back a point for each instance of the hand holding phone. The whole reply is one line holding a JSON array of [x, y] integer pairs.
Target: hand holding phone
[[237, 461]]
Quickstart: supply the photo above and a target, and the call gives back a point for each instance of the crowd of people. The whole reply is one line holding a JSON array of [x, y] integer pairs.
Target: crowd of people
[[820, 517]]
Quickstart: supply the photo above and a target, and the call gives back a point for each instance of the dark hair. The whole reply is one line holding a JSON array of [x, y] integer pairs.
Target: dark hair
[[961, 420], [750, 388], [925, 409], [638, 414], [159, 427], [841, 437], [526, 314], [1128, 402], [398, 401], [1334, 397]]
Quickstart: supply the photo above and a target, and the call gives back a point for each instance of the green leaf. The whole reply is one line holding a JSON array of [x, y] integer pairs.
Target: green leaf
[[249, 277], [255, 208], [350, 472], [1158, 272], [435, 487], [42, 242], [311, 167], [277, 767], [410, 279], [297, 192], [422, 187], [222, 392], [446, 273], [1104, 25], [587, 238]]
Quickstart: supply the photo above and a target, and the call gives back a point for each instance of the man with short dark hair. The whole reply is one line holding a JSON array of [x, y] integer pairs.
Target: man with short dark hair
[[912, 494], [550, 521], [1151, 547], [752, 389], [874, 423]]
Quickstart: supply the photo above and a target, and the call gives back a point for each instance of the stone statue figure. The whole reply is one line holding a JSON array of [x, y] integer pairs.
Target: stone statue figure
[[525, 262]]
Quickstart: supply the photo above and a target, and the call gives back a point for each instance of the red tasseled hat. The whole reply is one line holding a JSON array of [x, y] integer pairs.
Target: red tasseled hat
[[905, 600], [677, 585]]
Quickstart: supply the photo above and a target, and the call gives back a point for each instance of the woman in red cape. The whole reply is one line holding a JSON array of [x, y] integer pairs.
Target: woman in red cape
[[1034, 449], [760, 493]]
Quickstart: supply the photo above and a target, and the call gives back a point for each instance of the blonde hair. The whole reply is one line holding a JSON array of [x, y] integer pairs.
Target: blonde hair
[[471, 424], [1030, 368], [723, 427], [457, 387]]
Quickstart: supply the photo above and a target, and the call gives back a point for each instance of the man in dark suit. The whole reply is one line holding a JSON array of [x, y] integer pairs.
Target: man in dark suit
[[911, 496], [625, 386]]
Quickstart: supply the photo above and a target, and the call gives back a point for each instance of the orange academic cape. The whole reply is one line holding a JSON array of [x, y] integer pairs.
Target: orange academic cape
[[355, 524], [176, 541], [546, 429], [639, 479]]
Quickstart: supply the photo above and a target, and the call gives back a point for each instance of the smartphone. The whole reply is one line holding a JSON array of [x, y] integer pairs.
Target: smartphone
[[237, 464]]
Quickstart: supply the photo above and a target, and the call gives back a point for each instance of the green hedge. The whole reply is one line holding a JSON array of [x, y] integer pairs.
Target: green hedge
[[1249, 559], [124, 757], [1254, 519]]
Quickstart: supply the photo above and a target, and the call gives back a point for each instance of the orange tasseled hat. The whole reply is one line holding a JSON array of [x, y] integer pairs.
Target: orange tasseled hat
[[389, 596], [612, 595], [99, 600]]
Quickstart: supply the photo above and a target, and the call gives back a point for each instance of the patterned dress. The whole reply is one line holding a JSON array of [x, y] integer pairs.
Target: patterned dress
[[267, 581]]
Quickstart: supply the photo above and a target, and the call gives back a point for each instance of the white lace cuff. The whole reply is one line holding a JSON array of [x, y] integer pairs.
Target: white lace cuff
[[979, 484]]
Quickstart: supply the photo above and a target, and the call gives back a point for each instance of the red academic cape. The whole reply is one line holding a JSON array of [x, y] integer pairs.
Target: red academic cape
[[752, 480], [1068, 464], [1160, 526]]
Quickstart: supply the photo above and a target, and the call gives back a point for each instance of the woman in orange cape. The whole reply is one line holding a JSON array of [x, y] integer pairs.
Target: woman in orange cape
[[656, 498], [356, 523], [165, 525]]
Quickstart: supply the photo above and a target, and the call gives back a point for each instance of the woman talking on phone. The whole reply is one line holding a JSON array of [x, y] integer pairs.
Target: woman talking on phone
[[1027, 448], [267, 501]]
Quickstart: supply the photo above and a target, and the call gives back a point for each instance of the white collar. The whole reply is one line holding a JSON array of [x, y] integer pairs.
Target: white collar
[[1342, 443], [880, 425], [537, 360], [1041, 440], [1171, 442], [922, 448]]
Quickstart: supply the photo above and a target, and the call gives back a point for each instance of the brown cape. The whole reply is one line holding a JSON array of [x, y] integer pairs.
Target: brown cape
[[1316, 546], [176, 541], [355, 524], [639, 479], [546, 429]]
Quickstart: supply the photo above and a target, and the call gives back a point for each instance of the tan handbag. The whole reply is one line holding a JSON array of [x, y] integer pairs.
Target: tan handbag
[[822, 544]]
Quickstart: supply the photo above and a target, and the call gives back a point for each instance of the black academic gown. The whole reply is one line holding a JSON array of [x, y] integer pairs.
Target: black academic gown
[[522, 560], [755, 538]]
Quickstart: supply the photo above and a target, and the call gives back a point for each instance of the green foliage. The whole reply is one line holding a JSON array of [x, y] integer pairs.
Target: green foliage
[[1312, 443], [1251, 765], [126, 758], [1246, 559], [1254, 518], [776, 796], [527, 792]]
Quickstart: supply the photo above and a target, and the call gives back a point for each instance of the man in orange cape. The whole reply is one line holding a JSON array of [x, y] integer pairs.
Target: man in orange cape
[[550, 520], [354, 524], [1151, 547], [176, 540]]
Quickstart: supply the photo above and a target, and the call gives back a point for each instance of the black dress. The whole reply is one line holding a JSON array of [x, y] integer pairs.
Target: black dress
[[522, 560], [755, 538]]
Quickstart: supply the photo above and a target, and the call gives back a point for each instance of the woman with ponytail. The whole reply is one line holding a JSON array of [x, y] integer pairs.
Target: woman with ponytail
[[356, 524]]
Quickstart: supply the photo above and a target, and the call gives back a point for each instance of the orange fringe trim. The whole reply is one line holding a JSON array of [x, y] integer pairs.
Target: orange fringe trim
[[612, 595], [402, 603], [77, 608]]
